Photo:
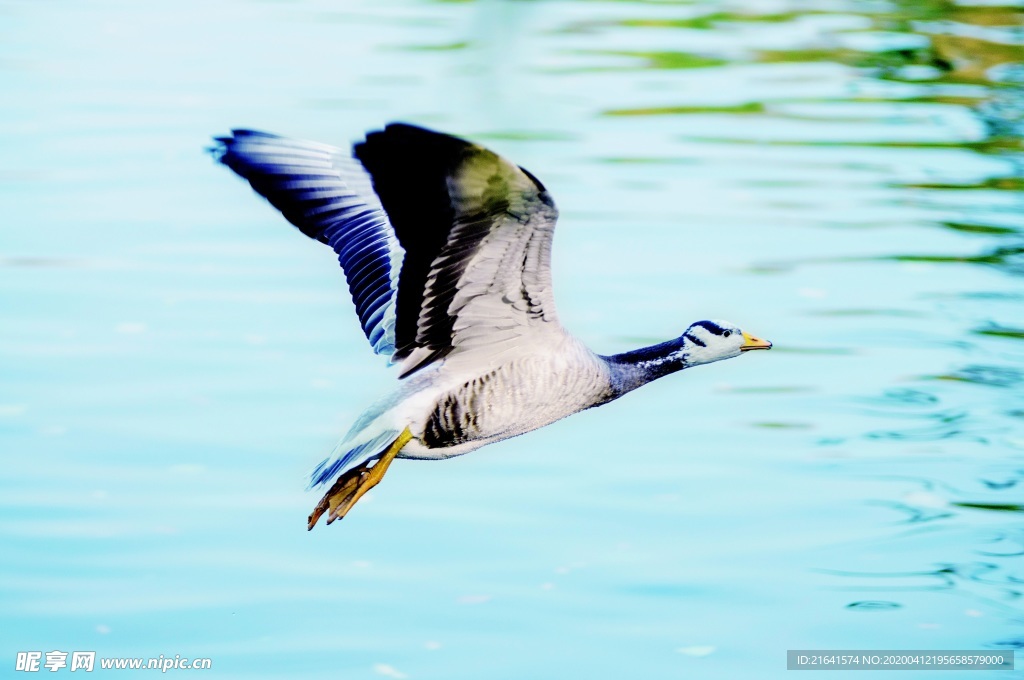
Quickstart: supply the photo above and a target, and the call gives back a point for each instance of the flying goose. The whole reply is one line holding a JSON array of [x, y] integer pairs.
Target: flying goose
[[446, 247]]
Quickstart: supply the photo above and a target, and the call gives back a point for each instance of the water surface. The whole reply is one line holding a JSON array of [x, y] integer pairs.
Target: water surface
[[841, 177]]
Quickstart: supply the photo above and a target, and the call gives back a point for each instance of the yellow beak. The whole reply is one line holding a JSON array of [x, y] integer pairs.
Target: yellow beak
[[750, 342]]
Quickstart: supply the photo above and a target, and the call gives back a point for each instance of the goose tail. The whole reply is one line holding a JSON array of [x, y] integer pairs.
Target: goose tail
[[355, 482], [349, 454]]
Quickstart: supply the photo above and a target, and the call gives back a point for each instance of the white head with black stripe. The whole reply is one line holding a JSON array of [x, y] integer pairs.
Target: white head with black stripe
[[707, 341]]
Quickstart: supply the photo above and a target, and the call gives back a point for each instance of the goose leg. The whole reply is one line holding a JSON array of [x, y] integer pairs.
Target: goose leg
[[351, 486]]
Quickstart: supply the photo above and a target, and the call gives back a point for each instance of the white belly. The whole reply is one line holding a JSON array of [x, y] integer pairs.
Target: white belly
[[517, 397]]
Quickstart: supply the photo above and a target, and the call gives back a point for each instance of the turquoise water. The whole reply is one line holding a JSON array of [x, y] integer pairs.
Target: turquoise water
[[843, 178]]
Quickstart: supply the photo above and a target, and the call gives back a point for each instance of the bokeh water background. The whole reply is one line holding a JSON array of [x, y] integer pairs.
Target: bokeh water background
[[841, 177]]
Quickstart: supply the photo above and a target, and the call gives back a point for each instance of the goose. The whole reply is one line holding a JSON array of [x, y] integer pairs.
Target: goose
[[446, 248]]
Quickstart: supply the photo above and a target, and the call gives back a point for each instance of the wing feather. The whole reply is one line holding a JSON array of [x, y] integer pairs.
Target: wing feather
[[328, 196], [446, 246], [477, 234]]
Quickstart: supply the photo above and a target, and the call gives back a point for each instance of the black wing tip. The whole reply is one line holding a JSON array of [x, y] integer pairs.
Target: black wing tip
[[223, 146], [540, 186], [412, 130], [240, 133], [407, 134], [220, 148], [442, 144], [398, 125]]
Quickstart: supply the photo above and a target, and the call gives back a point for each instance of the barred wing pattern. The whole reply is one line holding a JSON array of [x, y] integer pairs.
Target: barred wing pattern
[[326, 193], [477, 234], [475, 231]]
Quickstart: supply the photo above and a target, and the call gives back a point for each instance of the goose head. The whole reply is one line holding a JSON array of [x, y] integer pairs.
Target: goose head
[[707, 341]]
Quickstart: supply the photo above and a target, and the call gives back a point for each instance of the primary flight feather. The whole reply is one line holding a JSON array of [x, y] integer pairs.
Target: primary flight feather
[[446, 248]]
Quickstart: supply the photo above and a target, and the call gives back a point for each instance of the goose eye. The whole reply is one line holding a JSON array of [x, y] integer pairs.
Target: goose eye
[[727, 333]]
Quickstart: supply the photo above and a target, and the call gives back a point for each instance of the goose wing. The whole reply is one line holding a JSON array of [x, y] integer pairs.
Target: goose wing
[[472, 231], [326, 193], [477, 234]]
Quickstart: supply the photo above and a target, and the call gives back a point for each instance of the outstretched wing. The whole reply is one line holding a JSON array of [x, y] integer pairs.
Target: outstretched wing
[[326, 193], [474, 228], [477, 234]]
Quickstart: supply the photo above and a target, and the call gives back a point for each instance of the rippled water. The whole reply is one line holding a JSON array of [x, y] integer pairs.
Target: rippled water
[[844, 178]]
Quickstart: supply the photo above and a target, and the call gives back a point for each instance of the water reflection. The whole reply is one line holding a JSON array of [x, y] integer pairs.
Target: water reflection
[[991, 376], [873, 605]]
